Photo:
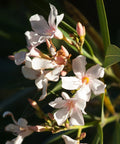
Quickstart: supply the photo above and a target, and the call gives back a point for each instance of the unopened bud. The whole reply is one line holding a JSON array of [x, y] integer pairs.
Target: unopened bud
[[33, 104], [83, 135], [11, 57], [51, 48], [80, 29], [51, 116], [37, 128], [65, 52]]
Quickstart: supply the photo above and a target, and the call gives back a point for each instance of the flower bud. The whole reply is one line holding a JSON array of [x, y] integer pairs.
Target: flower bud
[[81, 31]]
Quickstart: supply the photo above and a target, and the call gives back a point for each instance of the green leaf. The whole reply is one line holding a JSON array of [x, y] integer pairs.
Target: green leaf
[[57, 87], [112, 55], [116, 135], [96, 140], [103, 23]]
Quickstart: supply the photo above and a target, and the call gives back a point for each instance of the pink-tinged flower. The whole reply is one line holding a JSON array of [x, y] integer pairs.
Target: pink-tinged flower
[[69, 140], [20, 57], [19, 128], [35, 69], [42, 29], [84, 81], [68, 108]]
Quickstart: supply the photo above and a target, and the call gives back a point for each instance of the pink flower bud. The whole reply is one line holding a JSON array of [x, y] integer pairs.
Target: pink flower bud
[[11, 57], [80, 29], [65, 52]]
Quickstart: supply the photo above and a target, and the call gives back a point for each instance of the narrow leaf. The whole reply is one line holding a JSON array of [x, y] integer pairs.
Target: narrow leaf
[[116, 135], [112, 55], [103, 23]]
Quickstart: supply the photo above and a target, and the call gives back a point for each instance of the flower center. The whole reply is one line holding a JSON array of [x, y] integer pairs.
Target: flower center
[[85, 80], [70, 104]]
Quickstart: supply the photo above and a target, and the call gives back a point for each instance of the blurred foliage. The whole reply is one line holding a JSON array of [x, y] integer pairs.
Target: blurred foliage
[[15, 89]]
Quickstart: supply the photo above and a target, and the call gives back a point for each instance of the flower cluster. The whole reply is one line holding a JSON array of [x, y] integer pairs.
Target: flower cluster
[[42, 68]]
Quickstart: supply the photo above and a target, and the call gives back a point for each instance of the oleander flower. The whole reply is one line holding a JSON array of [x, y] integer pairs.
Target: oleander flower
[[68, 108], [20, 57], [36, 69], [84, 81], [43, 30], [19, 128]]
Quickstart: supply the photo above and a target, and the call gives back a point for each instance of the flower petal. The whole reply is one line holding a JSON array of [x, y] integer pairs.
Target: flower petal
[[39, 82], [61, 116], [57, 103], [44, 90], [22, 122], [59, 18], [81, 104], [77, 118], [84, 93], [17, 140], [39, 24], [54, 74], [35, 52], [30, 73], [97, 86], [52, 16], [33, 39], [71, 83], [95, 71], [78, 65], [20, 57], [58, 34], [28, 62], [12, 128], [69, 140], [65, 95], [41, 63]]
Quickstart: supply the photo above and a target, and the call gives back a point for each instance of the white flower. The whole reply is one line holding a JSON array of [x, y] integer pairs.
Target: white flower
[[42, 29], [19, 128], [20, 57], [68, 107], [35, 69], [84, 81], [69, 140]]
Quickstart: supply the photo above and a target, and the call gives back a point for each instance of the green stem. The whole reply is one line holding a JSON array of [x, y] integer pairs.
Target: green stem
[[79, 133], [102, 110], [95, 59], [116, 117], [100, 132]]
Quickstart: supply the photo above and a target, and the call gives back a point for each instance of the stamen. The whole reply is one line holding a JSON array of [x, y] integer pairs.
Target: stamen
[[85, 80]]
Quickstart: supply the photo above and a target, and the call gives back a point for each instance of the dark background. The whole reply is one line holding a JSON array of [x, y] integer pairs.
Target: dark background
[[14, 21]]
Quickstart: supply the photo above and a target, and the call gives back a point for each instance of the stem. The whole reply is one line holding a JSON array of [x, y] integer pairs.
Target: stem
[[94, 58], [79, 133], [112, 119], [102, 110], [100, 132]]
